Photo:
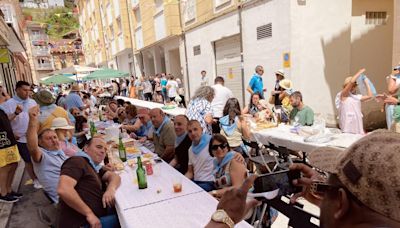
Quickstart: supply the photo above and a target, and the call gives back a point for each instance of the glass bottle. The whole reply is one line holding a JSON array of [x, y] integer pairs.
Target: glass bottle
[[121, 150], [141, 174]]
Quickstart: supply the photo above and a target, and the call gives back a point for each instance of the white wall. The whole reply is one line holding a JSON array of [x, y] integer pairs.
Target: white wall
[[267, 52], [204, 36], [320, 51], [123, 62]]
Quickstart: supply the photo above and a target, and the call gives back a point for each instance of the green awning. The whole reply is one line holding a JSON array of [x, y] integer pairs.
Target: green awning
[[105, 73], [58, 79]]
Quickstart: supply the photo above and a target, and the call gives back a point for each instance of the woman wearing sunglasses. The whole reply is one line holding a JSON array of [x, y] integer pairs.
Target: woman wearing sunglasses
[[228, 172]]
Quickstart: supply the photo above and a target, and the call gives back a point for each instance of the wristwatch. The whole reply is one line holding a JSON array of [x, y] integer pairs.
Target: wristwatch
[[222, 217]]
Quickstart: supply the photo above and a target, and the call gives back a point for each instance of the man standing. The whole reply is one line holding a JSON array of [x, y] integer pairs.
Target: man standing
[[9, 158], [222, 94], [74, 100], [256, 83], [163, 135], [301, 113], [182, 144], [82, 199], [48, 157], [17, 110], [204, 78]]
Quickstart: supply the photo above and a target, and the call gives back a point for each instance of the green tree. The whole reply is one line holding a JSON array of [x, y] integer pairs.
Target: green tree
[[60, 21]]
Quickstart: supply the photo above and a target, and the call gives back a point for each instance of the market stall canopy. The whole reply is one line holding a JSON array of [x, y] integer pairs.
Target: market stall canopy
[[57, 79], [106, 73], [75, 69]]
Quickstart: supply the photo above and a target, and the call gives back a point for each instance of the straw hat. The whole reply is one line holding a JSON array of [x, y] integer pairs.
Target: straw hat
[[44, 98], [75, 88], [285, 84], [280, 72], [61, 123]]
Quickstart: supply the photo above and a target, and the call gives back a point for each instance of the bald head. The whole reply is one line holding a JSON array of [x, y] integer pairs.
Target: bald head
[[157, 117]]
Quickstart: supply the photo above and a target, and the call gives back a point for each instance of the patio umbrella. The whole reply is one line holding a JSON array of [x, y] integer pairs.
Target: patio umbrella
[[75, 69], [57, 79], [106, 73]]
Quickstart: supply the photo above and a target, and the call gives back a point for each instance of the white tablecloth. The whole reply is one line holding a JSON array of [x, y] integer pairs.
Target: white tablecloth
[[281, 136], [192, 207], [148, 104]]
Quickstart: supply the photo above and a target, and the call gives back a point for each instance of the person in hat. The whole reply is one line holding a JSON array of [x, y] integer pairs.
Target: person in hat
[[17, 109], [280, 75], [301, 113], [48, 109], [348, 104], [362, 187], [63, 131], [284, 97], [74, 100]]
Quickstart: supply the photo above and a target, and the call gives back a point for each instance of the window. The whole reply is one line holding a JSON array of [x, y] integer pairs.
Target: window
[[119, 24], [375, 18], [189, 11], [159, 5], [138, 17], [117, 11], [111, 32], [264, 31], [196, 50], [6, 9], [219, 4], [134, 3]]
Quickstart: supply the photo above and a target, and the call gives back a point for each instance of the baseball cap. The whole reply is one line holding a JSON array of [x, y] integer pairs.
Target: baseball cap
[[369, 169]]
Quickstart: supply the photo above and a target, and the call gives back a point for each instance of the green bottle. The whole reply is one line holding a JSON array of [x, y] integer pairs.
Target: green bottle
[[121, 150], [93, 129], [141, 174]]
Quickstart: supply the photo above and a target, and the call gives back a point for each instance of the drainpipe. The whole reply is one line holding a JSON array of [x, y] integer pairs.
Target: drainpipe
[[241, 51], [184, 46]]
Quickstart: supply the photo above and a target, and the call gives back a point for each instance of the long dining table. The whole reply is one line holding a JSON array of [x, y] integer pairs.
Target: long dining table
[[150, 105], [158, 205]]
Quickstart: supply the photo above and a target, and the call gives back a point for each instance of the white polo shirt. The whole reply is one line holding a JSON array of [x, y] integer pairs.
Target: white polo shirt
[[20, 123], [222, 94], [203, 165]]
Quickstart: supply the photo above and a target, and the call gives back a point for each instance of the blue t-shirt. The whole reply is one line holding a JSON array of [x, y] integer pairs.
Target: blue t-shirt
[[73, 100], [256, 84], [164, 84]]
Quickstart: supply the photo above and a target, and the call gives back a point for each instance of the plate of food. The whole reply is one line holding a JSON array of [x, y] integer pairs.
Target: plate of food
[[264, 125]]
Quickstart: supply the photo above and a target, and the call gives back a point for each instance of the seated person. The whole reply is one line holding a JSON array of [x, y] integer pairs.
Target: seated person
[[121, 115], [182, 144], [62, 128], [142, 126], [163, 135], [82, 199], [233, 126], [130, 115], [111, 110], [48, 109], [81, 129], [228, 172], [256, 106], [200, 166], [301, 113], [47, 155]]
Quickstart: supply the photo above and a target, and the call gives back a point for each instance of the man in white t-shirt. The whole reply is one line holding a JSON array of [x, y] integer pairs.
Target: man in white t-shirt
[[222, 94], [172, 88], [200, 168]]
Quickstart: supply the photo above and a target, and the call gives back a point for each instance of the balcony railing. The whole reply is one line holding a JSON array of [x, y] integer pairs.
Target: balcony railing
[[44, 66], [41, 51], [39, 37]]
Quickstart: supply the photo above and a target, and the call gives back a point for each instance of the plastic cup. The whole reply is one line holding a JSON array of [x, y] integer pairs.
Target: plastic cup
[[177, 184]]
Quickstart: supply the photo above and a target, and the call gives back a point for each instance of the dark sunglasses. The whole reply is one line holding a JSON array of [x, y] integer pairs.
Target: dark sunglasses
[[222, 146]]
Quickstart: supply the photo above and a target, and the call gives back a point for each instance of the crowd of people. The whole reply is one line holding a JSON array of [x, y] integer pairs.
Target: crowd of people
[[48, 130]]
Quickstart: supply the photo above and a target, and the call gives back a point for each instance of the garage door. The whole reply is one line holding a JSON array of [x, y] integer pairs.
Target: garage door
[[227, 52]]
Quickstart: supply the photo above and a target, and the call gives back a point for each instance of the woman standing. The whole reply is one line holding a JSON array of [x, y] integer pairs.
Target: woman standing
[[132, 89], [172, 87], [147, 89], [199, 108]]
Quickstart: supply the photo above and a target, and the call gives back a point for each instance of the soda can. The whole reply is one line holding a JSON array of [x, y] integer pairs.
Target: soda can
[[149, 168]]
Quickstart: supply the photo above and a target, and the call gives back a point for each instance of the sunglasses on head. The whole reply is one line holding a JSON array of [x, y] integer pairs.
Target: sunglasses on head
[[222, 146]]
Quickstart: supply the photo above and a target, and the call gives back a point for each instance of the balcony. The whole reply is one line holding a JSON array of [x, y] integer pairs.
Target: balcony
[[44, 66], [41, 51]]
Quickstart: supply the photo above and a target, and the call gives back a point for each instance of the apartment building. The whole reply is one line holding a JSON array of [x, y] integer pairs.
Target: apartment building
[[106, 34], [157, 33], [317, 43], [41, 60], [14, 64]]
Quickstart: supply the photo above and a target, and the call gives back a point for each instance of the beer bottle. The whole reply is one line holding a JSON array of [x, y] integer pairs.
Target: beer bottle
[[121, 150], [141, 175], [93, 129]]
